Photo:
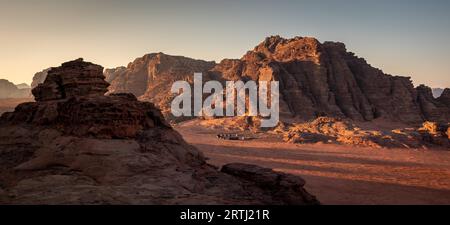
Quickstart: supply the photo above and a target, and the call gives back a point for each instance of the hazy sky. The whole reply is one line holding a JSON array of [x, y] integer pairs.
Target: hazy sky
[[401, 37]]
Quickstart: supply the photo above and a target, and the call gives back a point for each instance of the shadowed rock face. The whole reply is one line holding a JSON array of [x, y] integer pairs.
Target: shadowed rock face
[[445, 97], [151, 77], [332, 130], [325, 80], [317, 79], [434, 109], [76, 146]]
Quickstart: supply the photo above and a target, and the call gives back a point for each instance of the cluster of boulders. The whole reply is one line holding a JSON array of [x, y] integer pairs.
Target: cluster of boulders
[[343, 131], [75, 145]]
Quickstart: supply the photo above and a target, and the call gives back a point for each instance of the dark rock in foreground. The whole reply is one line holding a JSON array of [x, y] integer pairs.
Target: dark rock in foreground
[[77, 146]]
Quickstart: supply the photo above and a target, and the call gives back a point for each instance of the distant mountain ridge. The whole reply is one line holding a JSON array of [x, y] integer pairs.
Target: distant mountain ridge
[[10, 90], [316, 79]]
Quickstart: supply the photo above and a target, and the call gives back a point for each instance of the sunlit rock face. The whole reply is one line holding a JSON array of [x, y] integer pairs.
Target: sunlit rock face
[[316, 79], [324, 79]]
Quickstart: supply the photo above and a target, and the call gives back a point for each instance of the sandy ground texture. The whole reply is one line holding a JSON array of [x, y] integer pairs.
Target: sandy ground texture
[[337, 174]]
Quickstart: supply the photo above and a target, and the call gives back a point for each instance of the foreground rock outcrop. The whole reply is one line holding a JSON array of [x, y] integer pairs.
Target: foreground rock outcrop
[[76, 146], [316, 79]]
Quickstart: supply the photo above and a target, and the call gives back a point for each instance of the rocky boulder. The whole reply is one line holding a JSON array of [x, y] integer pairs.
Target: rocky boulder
[[342, 131], [316, 79]]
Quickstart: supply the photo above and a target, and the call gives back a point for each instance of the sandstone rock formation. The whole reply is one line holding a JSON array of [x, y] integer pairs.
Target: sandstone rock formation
[[75, 78], [324, 79], [431, 108], [76, 146], [112, 74], [316, 79], [151, 77], [332, 130], [437, 92], [39, 77], [444, 99], [9, 90]]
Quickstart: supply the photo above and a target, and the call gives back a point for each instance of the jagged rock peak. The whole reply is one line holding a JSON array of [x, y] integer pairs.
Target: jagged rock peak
[[297, 48], [72, 79]]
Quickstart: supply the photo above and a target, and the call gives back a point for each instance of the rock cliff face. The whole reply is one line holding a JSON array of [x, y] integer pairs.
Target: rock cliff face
[[39, 77], [76, 146], [316, 79], [9, 90], [151, 77], [324, 79], [431, 108], [444, 99]]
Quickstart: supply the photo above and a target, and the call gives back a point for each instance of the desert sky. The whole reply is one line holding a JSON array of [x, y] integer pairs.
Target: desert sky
[[402, 37]]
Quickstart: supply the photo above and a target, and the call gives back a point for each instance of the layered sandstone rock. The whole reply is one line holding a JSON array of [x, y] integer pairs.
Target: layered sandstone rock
[[39, 77], [444, 98], [112, 74], [431, 108], [76, 146], [23, 86], [75, 78], [316, 79], [151, 77]]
